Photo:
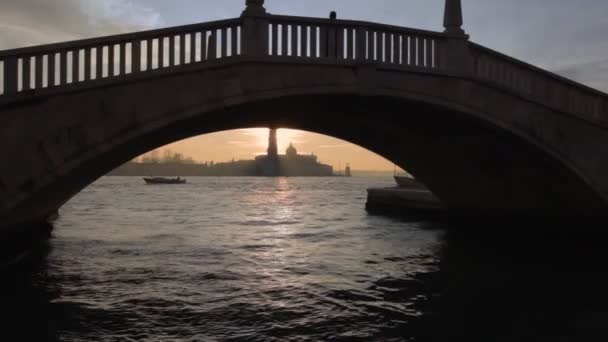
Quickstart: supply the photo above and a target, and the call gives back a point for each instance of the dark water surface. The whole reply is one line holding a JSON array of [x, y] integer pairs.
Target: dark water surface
[[296, 259]]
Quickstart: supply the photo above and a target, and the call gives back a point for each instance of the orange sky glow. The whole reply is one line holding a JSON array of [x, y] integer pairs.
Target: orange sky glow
[[247, 143]]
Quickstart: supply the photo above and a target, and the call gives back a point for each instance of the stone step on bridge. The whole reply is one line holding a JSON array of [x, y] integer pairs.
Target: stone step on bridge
[[508, 132]]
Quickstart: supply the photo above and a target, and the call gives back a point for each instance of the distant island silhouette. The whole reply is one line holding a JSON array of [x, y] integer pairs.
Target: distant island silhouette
[[272, 164]]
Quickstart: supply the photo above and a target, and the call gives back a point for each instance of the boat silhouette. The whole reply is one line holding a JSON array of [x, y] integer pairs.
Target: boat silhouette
[[163, 180]]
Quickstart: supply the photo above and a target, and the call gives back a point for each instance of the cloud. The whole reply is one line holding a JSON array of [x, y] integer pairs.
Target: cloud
[[34, 22]]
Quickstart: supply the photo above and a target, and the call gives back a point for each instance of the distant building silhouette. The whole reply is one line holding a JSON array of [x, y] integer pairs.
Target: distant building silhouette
[[347, 172], [290, 164], [273, 164]]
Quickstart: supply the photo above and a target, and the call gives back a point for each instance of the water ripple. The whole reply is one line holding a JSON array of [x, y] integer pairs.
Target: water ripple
[[286, 260]]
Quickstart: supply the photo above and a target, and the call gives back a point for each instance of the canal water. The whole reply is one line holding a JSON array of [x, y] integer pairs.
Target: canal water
[[296, 259]]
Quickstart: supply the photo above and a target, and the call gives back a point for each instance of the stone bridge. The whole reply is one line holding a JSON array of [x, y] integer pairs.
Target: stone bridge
[[488, 134]]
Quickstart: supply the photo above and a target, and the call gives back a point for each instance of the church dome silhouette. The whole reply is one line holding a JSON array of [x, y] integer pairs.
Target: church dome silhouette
[[291, 151]]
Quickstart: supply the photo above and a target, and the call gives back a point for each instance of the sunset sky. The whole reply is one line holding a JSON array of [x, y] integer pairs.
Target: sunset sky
[[564, 36]]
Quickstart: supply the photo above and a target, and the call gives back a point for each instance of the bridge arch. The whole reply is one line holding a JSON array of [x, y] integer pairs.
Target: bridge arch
[[475, 161], [516, 139]]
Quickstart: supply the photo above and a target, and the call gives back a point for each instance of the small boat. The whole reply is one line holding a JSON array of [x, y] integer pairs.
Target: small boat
[[163, 180]]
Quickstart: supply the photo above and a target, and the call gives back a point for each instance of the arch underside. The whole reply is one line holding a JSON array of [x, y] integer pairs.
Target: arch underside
[[472, 166]]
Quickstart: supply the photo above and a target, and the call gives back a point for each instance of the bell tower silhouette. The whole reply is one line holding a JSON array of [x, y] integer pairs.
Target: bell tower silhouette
[[273, 150]]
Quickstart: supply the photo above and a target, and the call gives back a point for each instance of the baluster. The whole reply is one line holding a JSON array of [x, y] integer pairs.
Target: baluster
[[429, 53], [324, 41], [413, 49], [26, 71], [340, 43], [354, 50], [387, 47], [509, 77], [99, 62], [224, 44], [75, 65], [487, 65], [161, 52], [332, 42], [379, 48], [136, 56], [63, 72], [212, 54], [11, 75], [149, 54], [479, 65], [182, 49], [395, 47], [193, 47], [284, 39], [314, 50], [572, 102], [294, 40], [597, 107], [515, 79], [39, 71], [486, 68], [360, 38], [490, 70], [87, 64], [370, 45], [405, 51], [111, 60], [479, 71], [234, 41], [204, 43], [350, 52], [500, 74], [275, 39], [51, 70], [123, 58], [304, 40], [171, 51], [421, 44]]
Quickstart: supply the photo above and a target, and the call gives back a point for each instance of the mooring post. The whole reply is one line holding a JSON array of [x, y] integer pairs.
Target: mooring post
[[457, 56], [254, 34]]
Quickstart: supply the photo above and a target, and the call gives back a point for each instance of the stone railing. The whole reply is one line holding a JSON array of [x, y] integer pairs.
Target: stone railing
[[30, 70], [66, 64], [266, 37], [345, 40], [539, 85]]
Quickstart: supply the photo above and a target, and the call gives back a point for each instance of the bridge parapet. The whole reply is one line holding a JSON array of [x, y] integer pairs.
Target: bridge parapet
[[34, 69], [30, 71], [355, 41], [539, 85], [257, 35]]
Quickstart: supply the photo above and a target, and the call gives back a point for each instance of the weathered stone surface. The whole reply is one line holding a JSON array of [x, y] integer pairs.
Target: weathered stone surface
[[477, 147]]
